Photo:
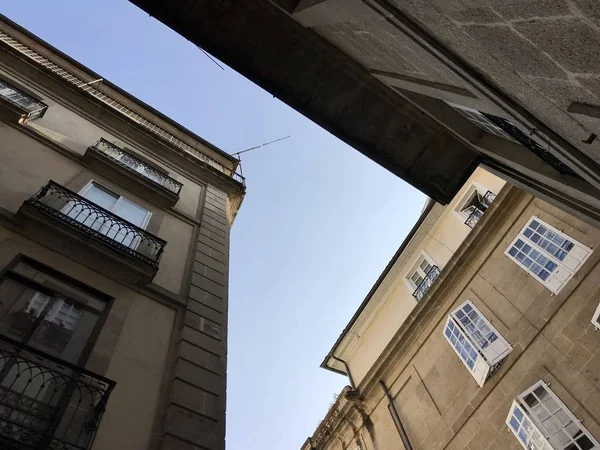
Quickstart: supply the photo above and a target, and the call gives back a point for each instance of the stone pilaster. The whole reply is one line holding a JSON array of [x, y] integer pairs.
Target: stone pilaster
[[195, 416]]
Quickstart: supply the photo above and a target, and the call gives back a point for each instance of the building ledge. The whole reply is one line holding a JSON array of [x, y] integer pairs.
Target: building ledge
[[135, 175]]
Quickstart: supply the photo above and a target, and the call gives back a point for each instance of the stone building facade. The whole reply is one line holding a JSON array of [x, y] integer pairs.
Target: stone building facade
[[429, 89], [114, 243], [500, 352]]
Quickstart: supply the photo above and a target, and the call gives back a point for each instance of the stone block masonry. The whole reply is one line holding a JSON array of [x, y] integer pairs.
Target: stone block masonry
[[196, 411]]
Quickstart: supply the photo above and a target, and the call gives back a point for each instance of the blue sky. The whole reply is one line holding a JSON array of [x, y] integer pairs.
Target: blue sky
[[318, 225]]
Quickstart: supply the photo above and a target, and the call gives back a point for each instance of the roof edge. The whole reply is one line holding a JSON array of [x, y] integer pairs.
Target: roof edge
[[426, 211], [117, 89]]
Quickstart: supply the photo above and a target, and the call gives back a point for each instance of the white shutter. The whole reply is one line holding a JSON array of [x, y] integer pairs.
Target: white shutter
[[558, 279], [476, 342], [484, 336], [547, 253], [596, 317], [480, 371], [564, 430], [577, 256]]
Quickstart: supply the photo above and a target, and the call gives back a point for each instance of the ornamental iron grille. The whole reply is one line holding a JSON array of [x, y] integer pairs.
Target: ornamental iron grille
[[426, 283], [47, 403], [136, 166], [32, 108], [518, 135], [477, 207], [95, 221]]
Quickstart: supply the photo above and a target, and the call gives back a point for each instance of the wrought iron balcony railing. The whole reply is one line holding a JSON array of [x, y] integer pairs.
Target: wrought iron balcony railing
[[136, 166], [424, 285], [477, 214], [518, 135], [98, 223], [47, 403], [31, 107]]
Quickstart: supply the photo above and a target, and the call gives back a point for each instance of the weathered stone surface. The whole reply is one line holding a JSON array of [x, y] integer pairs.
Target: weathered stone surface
[[201, 357], [515, 9], [203, 325], [211, 262], [207, 299], [193, 428], [204, 311], [202, 340], [571, 43], [200, 377], [208, 272], [516, 52], [210, 286], [195, 399]]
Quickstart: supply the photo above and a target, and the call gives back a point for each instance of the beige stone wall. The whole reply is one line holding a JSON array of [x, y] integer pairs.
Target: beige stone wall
[[138, 363], [553, 339], [28, 164], [132, 348], [439, 243]]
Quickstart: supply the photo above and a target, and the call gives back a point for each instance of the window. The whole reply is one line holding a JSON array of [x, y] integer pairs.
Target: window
[[48, 311], [479, 119], [549, 255], [476, 342], [33, 108], [540, 421], [118, 205], [421, 271], [422, 275], [474, 204]]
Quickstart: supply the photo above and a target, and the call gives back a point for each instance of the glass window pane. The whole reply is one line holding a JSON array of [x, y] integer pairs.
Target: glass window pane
[[59, 286], [20, 309], [131, 212], [43, 320], [100, 196], [585, 443], [64, 337], [518, 414]]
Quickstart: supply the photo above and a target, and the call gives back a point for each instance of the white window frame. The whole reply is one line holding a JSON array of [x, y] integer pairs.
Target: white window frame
[[423, 256], [535, 435], [473, 188], [120, 199], [481, 121], [482, 360], [564, 269], [596, 318]]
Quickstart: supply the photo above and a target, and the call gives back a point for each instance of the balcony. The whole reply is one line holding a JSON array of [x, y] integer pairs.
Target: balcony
[[132, 173], [427, 282], [19, 106], [85, 231], [46, 403], [477, 213]]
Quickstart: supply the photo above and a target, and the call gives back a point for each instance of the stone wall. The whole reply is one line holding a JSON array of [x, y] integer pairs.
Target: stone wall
[[196, 411], [553, 338]]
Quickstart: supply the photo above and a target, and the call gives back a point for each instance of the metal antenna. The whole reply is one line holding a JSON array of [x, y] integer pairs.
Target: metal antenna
[[258, 146], [254, 148]]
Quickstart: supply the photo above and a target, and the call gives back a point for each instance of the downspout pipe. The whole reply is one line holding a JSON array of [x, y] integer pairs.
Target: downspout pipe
[[347, 368], [396, 417]]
